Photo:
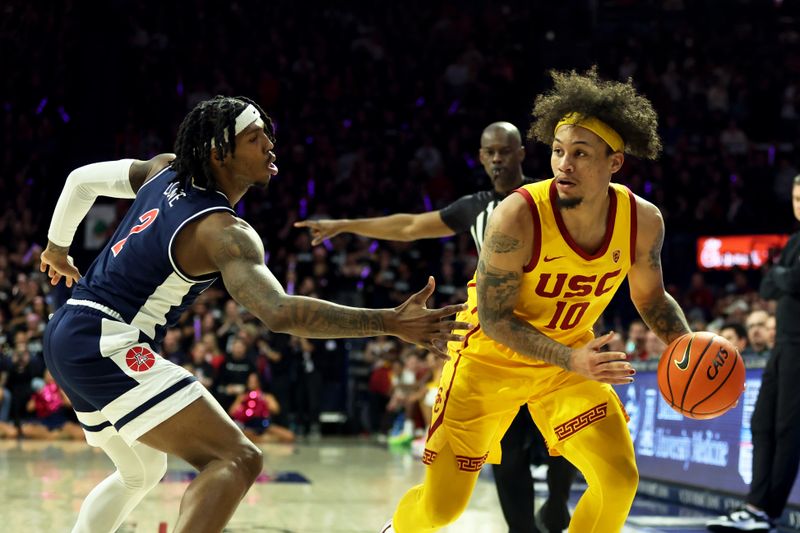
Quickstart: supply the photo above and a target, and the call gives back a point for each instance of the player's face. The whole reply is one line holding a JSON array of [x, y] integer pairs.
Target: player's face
[[581, 165], [254, 160], [501, 155], [796, 201]]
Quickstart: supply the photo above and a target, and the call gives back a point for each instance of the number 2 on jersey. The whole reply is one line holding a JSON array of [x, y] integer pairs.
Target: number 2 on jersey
[[146, 219]]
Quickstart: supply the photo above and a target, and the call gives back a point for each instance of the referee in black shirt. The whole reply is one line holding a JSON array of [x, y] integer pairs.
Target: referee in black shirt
[[774, 422], [501, 155]]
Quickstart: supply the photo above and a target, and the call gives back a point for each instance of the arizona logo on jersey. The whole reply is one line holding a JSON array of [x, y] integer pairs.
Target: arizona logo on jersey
[[140, 359]]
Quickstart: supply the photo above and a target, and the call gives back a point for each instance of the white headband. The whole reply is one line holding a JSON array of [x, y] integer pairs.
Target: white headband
[[249, 115]]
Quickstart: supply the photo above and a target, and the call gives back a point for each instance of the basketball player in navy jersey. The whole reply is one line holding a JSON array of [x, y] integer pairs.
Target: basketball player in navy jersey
[[178, 236], [501, 154]]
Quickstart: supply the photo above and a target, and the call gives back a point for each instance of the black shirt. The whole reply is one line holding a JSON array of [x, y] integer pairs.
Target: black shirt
[[782, 283], [471, 212]]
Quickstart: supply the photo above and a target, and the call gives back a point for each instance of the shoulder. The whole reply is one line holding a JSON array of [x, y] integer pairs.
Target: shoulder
[[224, 234], [475, 198], [514, 207], [647, 214], [142, 171], [649, 227]]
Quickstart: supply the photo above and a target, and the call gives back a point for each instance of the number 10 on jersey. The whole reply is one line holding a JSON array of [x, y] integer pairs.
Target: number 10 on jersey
[[567, 319]]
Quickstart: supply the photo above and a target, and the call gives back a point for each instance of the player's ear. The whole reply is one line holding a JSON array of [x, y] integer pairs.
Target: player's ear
[[617, 159], [216, 162]]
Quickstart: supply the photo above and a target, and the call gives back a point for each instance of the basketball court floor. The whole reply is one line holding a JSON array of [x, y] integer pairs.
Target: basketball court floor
[[334, 485]]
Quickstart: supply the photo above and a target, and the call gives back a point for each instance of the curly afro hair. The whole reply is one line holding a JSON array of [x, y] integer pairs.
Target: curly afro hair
[[617, 104]]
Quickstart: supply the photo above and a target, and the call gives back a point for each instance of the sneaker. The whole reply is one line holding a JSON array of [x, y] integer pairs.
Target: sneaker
[[387, 527], [741, 520]]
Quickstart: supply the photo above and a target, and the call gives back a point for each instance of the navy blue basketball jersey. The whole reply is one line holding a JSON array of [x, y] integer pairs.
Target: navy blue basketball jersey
[[136, 274]]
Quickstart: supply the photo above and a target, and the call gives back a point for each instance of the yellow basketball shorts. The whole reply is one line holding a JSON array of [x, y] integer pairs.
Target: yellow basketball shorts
[[476, 402]]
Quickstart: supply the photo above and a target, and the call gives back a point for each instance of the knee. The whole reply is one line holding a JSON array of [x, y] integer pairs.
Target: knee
[[248, 461], [444, 513], [623, 484], [441, 517], [155, 470]]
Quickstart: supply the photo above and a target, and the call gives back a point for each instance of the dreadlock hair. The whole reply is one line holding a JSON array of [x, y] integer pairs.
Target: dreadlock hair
[[615, 103], [210, 119]]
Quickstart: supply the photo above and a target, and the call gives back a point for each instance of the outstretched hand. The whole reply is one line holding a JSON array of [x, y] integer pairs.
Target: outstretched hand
[[605, 367], [417, 324], [58, 265], [320, 229]]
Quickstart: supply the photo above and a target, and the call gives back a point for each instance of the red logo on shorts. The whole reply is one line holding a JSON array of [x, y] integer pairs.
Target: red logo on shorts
[[140, 359], [437, 404]]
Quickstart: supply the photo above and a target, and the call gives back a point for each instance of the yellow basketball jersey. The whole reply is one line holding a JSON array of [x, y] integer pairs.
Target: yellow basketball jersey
[[564, 289]]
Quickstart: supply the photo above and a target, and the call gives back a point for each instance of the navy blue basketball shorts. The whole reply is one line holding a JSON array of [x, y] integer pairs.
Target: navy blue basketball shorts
[[114, 377]]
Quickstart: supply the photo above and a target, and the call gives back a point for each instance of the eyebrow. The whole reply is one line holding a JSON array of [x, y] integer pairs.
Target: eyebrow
[[556, 139]]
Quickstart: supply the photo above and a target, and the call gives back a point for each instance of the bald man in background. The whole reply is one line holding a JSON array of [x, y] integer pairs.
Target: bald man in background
[[501, 154]]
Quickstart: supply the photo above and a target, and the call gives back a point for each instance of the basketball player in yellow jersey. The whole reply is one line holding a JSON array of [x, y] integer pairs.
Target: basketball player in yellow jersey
[[554, 255]]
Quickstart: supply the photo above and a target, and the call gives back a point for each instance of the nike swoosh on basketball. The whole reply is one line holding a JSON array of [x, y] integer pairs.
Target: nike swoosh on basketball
[[548, 259], [684, 363]]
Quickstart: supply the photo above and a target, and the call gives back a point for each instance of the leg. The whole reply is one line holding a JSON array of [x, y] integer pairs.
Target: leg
[[276, 433], [762, 424], [786, 456], [35, 431], [139, 469], [560, 476], [441, 498], [603, 452], [203, 435], [8, 431], [513, 475], [5, 404]]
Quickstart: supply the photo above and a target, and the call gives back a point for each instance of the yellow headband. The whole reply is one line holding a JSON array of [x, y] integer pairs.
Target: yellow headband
[[596, 126]]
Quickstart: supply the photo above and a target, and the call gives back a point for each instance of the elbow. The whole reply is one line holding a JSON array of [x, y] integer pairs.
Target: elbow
[[277, 315], [490, 323]]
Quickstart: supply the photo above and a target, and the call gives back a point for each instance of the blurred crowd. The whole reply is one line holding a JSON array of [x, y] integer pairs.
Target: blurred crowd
[[378, 109]]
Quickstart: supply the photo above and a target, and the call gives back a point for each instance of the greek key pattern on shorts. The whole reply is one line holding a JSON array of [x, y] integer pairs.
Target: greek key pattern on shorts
[[428, 456], [576, 424], [471, 464]]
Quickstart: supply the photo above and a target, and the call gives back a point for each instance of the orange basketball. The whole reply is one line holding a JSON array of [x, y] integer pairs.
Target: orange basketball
[[701, 375]]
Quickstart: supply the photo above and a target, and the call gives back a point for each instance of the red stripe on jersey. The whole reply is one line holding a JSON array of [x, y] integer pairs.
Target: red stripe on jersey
[[537, 230]]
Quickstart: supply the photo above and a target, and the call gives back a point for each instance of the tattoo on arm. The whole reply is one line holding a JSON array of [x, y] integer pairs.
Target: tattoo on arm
[[665, 318], [498, 291], [655, 252], [317, 318], [241, 259], [501, 243]]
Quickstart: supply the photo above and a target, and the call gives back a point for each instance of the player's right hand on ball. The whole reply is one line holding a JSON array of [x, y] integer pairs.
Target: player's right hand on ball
[[605, 367]]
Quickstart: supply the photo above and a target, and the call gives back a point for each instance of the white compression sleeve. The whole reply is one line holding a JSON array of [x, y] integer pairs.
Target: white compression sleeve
[[83, 186]]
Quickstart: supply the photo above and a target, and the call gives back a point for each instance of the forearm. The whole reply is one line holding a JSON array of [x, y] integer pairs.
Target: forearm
[[526, 340], [664, 317], [315, 319], [786, 279], [392, 227], [768, 288], [81, 189]]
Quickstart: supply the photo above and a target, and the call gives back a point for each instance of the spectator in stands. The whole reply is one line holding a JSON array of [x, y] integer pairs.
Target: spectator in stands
[[637, 337], [653, 347], [736, 334], [253, 411], [199, 364], [756, 325], [233, 375]]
